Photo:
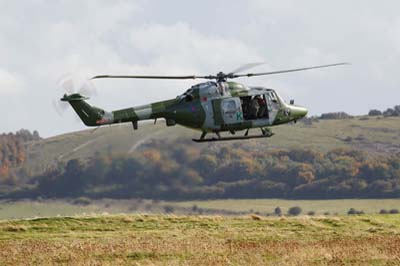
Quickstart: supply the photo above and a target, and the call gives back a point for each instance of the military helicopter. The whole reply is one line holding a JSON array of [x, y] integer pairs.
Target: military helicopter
[[215, 106]]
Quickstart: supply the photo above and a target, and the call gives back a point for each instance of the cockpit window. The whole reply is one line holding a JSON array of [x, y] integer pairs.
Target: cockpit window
[[272, 96], [187, 96]]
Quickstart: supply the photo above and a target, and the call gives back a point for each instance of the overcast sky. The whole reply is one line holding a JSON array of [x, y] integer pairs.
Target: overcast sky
[[41, 41]]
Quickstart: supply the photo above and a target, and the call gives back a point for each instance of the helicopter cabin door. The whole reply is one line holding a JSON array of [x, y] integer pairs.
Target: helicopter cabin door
[[227, 111], [216, 104]]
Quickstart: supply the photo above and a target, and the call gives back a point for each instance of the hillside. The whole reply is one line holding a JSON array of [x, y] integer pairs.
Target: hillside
[[377, 135], [355, 157], [201, 240]]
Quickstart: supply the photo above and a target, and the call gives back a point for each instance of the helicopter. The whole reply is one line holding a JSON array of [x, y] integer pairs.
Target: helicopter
[[215, 106]]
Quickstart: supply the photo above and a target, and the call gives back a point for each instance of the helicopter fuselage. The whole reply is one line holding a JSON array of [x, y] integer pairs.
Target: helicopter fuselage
[[208, 107], [216, 107]]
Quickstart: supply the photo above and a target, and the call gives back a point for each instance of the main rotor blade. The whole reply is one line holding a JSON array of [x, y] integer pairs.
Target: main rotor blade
[[151, 77], [286, 71], [246, 66]]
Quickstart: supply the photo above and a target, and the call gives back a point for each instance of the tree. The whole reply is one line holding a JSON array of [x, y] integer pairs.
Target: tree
[[278, 211], [374, 112], [294, 211], [337, 115]]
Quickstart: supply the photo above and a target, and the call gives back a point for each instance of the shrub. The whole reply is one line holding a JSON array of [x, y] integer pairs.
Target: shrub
[[374, 112], [278, 211], [353, 211], [168, 209], [294, 211], [337, 115], [81, 201], [394, 211], [311, 213], [383, 211]]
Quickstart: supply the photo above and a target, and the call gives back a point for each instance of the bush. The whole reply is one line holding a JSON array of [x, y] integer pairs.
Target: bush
[[383, 211], [81, 201], [294, 211], [168, 209], [353, 211], [278, 211], [394, 211], [374, 112], [338, 115], [311, 213]]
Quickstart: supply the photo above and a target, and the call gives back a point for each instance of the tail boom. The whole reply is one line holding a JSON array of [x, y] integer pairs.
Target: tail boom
[[93, 116]]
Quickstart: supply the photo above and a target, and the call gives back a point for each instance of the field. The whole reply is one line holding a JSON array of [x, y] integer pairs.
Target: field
[[50, 208], [212, 232], [201, 240]]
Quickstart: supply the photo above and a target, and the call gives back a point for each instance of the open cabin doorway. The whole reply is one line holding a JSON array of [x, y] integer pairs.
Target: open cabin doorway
[[255, 107]]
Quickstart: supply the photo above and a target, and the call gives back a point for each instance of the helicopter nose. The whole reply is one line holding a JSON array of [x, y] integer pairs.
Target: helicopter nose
[[298, 112]]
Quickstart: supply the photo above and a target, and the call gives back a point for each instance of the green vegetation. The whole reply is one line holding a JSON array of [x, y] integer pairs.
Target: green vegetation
[[173, 171], [372, 134], [201, 240], [395, 111], [318, 159]]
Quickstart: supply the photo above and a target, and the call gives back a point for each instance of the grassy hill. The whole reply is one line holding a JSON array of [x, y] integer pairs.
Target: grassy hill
[[373, 134], [201, 240]]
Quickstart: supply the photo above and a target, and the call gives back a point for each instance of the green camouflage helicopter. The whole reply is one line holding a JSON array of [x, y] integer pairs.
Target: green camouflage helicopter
[[212, 107]]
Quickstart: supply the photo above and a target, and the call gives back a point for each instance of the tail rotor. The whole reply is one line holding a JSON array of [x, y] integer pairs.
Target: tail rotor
[[72, 84]]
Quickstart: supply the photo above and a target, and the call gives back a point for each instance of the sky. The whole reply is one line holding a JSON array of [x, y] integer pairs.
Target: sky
[[42, 41]]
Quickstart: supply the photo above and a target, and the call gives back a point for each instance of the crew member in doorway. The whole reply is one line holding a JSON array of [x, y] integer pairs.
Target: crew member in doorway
[[253, 110], [262, 106]]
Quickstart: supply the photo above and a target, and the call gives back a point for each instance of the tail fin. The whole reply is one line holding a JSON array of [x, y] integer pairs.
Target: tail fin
[[90, 115]]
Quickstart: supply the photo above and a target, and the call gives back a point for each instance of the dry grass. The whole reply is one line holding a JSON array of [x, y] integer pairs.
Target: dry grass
[[205, 240]]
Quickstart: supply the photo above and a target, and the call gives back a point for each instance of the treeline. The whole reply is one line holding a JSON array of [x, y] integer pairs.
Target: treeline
[[335, 115], [395, 111], [179, 171], [12, 150]]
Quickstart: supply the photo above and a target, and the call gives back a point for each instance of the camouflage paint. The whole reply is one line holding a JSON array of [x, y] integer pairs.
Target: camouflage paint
[[201, 107]]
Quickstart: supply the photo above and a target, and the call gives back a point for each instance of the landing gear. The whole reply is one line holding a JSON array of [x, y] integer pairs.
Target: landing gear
[[266, 133], [203, 135]]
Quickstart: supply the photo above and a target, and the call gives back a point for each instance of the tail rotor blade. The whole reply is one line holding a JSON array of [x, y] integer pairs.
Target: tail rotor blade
[[66, 83], [59, 107], [87, 88]]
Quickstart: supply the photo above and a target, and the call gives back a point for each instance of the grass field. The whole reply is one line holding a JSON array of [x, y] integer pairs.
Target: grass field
[[201, 240], [49, 208]]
